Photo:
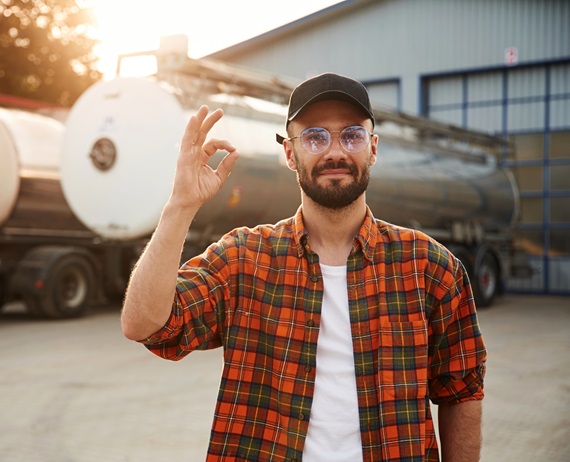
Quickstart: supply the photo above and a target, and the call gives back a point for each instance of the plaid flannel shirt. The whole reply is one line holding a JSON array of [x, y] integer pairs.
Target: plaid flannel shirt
[[258, 293]]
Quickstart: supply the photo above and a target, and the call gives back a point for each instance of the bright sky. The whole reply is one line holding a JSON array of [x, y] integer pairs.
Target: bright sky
[[126, 26]]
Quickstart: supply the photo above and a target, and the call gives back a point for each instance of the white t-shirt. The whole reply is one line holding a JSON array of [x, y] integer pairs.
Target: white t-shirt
[[334, 428]]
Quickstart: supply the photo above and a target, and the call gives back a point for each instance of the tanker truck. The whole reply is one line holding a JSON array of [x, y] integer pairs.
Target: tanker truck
[[48, 258], [117, 161]]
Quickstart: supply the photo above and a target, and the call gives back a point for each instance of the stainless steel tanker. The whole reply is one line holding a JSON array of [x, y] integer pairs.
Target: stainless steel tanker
[[120, 150], [122, 141], [119, 153]]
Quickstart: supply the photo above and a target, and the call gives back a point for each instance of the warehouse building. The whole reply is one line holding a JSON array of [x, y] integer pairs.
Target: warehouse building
[[497, 66]]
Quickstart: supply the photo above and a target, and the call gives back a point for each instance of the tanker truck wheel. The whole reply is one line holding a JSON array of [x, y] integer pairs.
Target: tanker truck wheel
[[486, 281], [57, 282], [69, 288]]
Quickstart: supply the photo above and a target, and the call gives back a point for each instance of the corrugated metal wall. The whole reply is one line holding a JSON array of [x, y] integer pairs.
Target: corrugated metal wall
[[405, 38]]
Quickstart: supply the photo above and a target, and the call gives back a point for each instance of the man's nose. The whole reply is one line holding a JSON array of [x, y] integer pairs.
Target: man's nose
[[335, 150]]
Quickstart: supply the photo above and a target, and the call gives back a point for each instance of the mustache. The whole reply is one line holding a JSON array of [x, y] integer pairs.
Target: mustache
[[331, 165]]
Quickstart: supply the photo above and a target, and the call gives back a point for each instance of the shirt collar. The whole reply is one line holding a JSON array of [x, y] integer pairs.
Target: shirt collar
[[366, 238]]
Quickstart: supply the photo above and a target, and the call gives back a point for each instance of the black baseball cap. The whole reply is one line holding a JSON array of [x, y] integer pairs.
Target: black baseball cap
[[326, 87]]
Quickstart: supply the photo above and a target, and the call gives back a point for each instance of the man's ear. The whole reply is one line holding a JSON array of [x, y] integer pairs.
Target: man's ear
[[373, 149], [290, 155]]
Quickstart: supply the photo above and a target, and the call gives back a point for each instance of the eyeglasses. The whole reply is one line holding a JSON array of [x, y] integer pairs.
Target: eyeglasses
[[317, 140]]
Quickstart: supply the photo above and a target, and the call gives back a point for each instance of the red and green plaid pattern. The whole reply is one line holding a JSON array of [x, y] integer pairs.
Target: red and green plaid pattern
[[258, 293]]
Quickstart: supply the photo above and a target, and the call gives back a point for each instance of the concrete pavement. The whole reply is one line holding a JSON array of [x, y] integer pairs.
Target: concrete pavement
[[77, 391]]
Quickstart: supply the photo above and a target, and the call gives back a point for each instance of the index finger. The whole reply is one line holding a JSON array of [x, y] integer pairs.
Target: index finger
[[199, 125], [207, 125], [193, 126]]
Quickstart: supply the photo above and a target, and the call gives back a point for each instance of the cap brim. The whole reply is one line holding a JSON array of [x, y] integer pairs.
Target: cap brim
[[332, 95]]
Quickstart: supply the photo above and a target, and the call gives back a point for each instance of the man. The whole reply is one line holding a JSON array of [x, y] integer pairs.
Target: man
[[337, 328]]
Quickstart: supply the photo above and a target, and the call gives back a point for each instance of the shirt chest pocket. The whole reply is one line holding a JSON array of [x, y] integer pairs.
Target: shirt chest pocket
[[403, 360]]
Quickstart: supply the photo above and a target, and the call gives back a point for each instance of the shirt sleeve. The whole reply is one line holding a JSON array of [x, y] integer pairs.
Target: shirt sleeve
[[196, 319], [457, 352]]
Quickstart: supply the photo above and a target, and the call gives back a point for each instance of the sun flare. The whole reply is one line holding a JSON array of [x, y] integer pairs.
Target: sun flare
[[124, 27], [128, 26]]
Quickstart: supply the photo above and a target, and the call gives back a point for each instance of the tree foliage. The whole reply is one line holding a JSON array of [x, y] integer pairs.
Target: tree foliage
[[46, 52]]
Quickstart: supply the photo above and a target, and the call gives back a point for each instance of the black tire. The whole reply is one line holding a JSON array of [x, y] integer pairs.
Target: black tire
[[486, 281], [69, 288]]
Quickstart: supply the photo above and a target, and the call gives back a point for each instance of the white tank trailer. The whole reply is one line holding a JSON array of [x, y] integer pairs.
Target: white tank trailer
[[48, 257], [118, 156]]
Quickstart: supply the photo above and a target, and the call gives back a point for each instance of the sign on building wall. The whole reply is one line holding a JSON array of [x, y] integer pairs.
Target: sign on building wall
[[511, 56]]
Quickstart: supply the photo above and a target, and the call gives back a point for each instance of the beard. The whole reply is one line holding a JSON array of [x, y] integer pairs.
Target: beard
[[333, 195]]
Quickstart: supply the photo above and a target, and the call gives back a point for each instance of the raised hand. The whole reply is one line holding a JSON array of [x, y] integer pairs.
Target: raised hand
[[195, 182]]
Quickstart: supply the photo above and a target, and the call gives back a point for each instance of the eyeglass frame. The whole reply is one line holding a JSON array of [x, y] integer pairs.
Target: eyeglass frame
[[280, 139]]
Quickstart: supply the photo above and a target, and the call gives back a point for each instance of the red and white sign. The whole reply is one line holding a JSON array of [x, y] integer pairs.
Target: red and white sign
[[511, 56]]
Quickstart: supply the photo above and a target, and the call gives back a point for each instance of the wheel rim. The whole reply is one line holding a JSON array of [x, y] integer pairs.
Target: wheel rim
[[72, 288]]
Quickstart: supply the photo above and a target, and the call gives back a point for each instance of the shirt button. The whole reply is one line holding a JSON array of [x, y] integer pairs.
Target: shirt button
[[307, 368], [314, 277], [301, 416], [310, 323]]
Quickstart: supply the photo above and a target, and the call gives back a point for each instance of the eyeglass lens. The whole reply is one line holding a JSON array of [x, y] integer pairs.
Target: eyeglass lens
[[317, 140]]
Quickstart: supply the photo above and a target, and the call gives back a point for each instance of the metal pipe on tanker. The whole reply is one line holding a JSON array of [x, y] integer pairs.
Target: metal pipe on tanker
[[122, 141], [31, 199]]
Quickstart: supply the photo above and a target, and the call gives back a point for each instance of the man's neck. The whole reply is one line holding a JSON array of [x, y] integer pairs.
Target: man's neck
[[331, 232]]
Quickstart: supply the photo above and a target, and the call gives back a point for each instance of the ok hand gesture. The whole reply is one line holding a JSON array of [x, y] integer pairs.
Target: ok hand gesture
[[195, 182]]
